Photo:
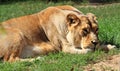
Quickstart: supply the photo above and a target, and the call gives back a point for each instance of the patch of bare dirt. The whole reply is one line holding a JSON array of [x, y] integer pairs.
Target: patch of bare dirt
[[112, 63]]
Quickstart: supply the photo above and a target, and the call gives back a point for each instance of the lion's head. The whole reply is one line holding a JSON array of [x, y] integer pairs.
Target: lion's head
[[83, 31]]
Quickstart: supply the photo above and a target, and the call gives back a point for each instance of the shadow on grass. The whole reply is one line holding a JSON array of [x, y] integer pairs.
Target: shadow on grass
[[5, 2]]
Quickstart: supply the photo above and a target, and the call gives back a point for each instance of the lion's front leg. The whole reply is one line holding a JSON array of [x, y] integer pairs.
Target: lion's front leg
[[67, 48]]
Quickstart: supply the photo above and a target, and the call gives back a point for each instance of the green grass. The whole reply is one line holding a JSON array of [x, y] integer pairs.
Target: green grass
[[57, 62], [109, 32]]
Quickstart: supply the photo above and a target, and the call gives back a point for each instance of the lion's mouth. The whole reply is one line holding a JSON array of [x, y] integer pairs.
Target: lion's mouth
[[78, 47], [92, 48]]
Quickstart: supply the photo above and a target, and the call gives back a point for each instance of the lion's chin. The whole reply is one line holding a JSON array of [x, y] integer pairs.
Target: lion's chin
[[90, 48], [93, 48]]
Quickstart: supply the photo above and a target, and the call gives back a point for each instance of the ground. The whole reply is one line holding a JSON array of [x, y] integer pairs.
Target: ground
[[112, 63]]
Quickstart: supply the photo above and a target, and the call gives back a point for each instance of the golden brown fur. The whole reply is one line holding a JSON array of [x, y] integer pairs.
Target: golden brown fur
[[60, 28]]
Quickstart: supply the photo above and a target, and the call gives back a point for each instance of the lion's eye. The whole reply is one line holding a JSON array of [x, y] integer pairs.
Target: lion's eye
[[96, 30], [85, 31]]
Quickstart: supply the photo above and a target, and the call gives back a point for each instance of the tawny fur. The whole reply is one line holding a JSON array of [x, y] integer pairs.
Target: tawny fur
[[60, 28]]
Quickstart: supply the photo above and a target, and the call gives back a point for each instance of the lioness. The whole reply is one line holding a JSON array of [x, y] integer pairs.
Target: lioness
[[60, 28]]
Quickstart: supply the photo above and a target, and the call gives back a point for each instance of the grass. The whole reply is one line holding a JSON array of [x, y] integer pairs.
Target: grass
[[108, 18], [57, 62]]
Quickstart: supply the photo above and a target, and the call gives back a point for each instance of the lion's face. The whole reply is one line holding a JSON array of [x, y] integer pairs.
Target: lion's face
[[83, 31]]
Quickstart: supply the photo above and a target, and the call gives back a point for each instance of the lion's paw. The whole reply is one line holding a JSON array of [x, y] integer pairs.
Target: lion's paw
[[109, 46]]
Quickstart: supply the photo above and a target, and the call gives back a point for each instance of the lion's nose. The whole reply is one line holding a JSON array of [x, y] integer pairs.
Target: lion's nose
[[95, 42]]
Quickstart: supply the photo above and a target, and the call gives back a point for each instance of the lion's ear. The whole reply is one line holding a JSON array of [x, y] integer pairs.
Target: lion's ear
[[92, 17], [72, 19]]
